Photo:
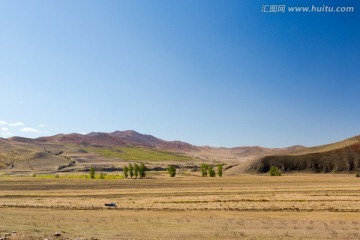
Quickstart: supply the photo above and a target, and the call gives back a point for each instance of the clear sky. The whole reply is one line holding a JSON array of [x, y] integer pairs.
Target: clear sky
[[208, 72]]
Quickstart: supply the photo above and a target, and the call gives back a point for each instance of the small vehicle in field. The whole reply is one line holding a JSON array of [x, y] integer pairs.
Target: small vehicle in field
[[110, 204]]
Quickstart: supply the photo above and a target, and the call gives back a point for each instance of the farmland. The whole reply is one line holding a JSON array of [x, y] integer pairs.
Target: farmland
[[248, 206]]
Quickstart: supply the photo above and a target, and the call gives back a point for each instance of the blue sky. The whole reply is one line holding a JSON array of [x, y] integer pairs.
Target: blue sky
[[219, 73]]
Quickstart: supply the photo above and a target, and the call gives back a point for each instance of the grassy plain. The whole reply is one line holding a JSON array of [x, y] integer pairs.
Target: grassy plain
[[137, 153], [310, 206]]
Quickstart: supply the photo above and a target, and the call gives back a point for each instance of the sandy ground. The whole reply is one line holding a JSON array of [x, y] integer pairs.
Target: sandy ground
[[245, 207]]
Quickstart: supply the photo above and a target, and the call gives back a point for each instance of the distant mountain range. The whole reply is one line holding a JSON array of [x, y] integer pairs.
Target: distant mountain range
[[113, 149], [132, 138], [76, 152], [119, 138]]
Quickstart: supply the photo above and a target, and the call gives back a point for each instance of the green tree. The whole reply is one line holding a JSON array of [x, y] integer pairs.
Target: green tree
[[274, 171], [172, 171], [136, 170], [220, 170], [211, 171], [126, 171], [92, 172], [204, 170], [131, 170], [142, 170]]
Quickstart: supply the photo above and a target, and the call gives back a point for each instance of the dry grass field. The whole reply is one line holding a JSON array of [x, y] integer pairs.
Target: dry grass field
[[324, 206]]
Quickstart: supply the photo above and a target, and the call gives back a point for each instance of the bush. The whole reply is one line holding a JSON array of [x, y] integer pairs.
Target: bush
[[172, 171], [102, 175], [34, 175], [274, 171], [57, 176], [357, 175]]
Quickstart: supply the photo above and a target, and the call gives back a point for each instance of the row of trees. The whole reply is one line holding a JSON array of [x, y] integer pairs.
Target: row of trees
[[92, 173], [139, 171], [208, 170], [135, 170]]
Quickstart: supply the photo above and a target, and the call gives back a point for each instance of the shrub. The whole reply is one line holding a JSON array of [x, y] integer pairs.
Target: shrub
[[220, 170], [57, 176], [211, 171], [172, 171], [274, 171], [357, 175], [102, 175], [34, 175], [92, 172], [126, 171]]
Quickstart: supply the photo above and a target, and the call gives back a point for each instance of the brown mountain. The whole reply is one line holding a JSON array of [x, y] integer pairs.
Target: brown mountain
[[117, 138], [261, 151], [102, 139], [55, 152], [133, 138], [77, 152]]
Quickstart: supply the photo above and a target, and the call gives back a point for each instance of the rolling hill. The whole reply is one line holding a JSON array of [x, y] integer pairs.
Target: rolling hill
[[118, 138], [77, 152], [342, 156]]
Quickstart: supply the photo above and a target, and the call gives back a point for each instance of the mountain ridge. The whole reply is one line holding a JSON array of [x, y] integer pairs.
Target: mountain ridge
[[112, 149], [128, 137]]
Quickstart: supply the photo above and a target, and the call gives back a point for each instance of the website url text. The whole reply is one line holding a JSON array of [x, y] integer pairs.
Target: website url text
[[312, 9]]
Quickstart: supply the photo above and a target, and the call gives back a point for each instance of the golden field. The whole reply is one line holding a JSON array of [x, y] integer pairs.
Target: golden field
[[323, 206]]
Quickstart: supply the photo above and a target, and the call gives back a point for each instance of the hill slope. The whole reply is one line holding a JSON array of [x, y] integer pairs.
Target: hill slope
[[343, 156], [77, 152]]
